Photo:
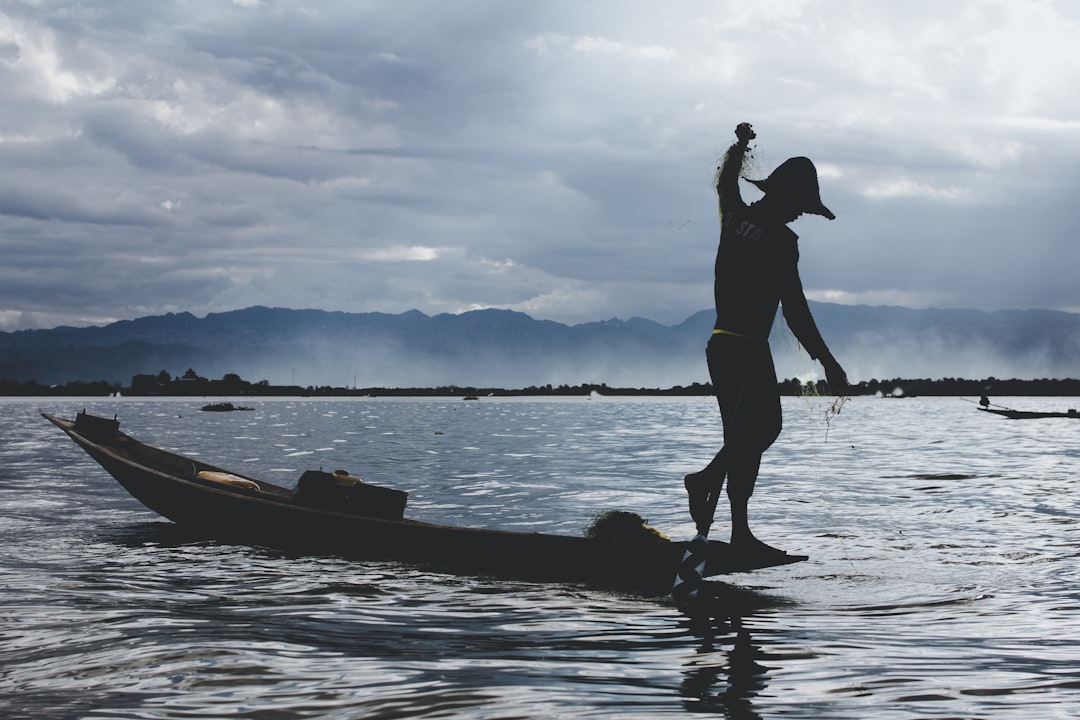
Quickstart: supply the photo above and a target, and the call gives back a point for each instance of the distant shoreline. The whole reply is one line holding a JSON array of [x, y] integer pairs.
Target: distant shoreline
[[232, 386]]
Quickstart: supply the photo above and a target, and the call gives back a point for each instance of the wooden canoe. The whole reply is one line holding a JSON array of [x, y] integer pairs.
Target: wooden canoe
[[234, 508], [1029, 414]]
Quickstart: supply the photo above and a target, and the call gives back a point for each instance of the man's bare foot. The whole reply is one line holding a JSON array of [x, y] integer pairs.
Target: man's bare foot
[[750, 545]]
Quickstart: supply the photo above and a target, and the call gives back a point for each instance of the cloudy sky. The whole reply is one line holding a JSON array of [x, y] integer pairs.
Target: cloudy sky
[[550, 157]]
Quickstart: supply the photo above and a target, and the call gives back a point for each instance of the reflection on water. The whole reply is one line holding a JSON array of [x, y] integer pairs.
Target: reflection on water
[[722, 682], [942, 581]]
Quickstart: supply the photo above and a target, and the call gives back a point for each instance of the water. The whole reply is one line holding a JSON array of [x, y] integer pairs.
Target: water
[[943, 580]]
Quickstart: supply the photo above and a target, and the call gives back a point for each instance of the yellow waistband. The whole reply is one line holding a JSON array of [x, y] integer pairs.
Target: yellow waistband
[[719, 331]]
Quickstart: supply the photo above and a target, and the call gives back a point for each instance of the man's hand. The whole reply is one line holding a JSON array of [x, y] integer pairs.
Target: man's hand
[[835, 376], [745, 133]]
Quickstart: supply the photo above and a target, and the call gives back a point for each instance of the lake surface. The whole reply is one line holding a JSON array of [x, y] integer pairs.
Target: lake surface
[[943, 579]]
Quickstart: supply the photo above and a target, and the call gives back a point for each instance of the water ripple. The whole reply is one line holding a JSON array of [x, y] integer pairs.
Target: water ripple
[[943, 579]]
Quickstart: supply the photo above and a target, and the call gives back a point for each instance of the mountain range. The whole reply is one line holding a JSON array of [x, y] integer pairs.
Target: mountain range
[[502, 348]]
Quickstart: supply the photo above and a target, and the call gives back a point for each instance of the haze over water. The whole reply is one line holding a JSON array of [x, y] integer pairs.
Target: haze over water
[[943, 579]]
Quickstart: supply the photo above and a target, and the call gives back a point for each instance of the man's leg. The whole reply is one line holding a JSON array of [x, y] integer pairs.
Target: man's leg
[[703, 489], [742, 477], [704, 486], [751, 425]]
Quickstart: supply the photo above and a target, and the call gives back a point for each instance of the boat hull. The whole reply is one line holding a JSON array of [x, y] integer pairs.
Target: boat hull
[[167, 483], [1029, 414]]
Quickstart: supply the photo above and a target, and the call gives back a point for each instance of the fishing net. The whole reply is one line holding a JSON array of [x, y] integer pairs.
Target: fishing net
[[621, 526]]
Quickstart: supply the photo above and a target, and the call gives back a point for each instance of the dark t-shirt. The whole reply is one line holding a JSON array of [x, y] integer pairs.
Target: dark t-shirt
[[757, 269]]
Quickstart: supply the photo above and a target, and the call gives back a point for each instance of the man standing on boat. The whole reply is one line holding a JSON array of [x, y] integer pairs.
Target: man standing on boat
[[756, 271]]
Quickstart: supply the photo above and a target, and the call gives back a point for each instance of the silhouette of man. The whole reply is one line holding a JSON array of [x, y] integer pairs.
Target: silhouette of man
[[756, 271]]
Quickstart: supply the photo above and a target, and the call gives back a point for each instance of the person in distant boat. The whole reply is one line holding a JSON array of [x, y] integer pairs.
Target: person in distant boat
[[756, 271]]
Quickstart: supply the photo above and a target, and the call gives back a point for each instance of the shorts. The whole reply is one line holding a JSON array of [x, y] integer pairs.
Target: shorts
[[744, 380]]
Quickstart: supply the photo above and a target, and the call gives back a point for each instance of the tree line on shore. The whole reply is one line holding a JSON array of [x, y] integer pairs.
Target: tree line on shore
[[190, 384]]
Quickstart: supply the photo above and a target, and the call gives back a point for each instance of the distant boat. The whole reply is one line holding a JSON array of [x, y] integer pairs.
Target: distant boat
[[1030, 414], [985, 406], [224, 407]]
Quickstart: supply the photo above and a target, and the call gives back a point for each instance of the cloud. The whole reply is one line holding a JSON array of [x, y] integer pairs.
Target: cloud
[[555, 158], [587, 45], [56, 75], [906, 187], [400, 254]]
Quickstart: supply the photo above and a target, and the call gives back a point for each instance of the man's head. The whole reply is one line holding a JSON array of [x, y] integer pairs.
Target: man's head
[[794, 187]]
